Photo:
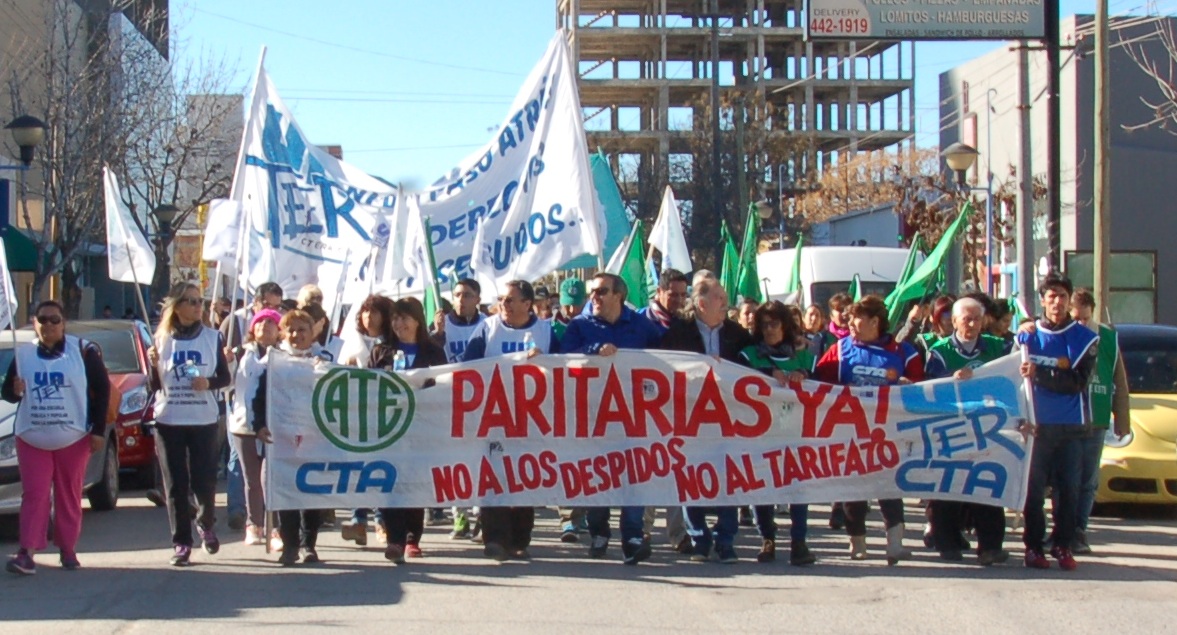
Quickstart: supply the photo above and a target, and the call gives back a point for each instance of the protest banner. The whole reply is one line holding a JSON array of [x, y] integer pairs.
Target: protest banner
[[637, 429]]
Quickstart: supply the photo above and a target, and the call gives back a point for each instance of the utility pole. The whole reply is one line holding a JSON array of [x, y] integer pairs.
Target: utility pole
[[1103, 174], [1024, 220], [1054, 134]]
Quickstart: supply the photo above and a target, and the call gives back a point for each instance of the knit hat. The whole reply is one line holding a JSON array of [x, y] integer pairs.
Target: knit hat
[[572, 292], [265, 314]]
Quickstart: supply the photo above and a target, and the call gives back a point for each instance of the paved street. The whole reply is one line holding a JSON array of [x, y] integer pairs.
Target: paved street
[[126, 586]]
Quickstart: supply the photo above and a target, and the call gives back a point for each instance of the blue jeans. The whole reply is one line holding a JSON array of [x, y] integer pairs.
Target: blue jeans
[[1057, 453], [1091, 453], [234, 483], [726, 525], [632, 522], [766, 524]]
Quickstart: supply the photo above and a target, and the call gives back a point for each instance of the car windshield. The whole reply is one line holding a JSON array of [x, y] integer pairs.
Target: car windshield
[[821, 292], [1151, 366], [118, 349]]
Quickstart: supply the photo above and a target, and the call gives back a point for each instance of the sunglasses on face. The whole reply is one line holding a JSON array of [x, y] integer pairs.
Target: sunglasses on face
[[48, 319], [601, 291], [190, 301]]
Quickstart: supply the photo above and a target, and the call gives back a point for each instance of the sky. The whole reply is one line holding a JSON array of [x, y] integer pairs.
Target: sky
[[410, 87]]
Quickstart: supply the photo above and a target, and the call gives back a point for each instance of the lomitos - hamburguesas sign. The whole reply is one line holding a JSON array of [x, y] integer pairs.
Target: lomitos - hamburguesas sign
[[926, 19]]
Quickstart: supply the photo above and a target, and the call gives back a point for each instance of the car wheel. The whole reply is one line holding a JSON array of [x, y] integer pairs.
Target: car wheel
[[104, 495]]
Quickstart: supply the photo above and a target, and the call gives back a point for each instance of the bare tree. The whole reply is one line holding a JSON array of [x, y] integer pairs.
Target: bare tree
[[1156, 54]]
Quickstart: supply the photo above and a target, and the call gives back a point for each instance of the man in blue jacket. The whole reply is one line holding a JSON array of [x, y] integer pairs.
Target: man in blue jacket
[[1062, 356], [612, 326]]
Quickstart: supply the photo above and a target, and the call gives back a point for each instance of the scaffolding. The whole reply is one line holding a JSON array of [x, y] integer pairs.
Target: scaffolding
[[646, 65]]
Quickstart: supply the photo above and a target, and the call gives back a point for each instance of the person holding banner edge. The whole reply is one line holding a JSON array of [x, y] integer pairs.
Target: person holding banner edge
[[506, 531], [188, 368], [53, 445], [956, 356], [612, 326], [870, 356], [773, 352], [413, 348]]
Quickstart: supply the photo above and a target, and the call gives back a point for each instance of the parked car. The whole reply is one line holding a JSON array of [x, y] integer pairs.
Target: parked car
[[102, 472], [124, 346], [1142, 467]]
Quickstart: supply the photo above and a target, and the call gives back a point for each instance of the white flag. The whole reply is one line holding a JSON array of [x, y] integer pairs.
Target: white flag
[[128, 256], [416, 258], [528, 195], [221, 231], [617, 261], [667, 236], [8, 303]]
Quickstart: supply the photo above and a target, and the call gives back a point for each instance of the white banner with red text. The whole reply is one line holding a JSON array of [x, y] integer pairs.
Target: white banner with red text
[[633, 429]]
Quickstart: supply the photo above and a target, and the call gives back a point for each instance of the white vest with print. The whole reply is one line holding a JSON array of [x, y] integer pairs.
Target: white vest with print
[[178, 404], [53, 411], [456, 337], [504, 340]]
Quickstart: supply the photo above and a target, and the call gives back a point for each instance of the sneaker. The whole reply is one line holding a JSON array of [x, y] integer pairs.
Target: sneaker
[[395, 553], [69, 561], [496, 552], [521, 554], [413, 550], [436, 518], [310, 556], [568, 534], [991, 557], [236, 521], [685, 546], [800, 555], [275, 540], [726, 554], [156, 497], [21, 564], [253, 536], [635, 550], [356, 532], [288, 558], [1035, 560], [701, 554], [767, 552], [1079, 545], [951, 555], [1066, 560], [461, 529], [599, 546], [209, 538], [381, 535], [181, 555]]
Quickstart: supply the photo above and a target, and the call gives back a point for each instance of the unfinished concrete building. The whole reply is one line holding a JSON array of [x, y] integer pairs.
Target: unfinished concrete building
[[646, 65]]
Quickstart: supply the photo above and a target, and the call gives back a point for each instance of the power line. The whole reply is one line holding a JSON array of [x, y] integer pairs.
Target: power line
[[356, 49]]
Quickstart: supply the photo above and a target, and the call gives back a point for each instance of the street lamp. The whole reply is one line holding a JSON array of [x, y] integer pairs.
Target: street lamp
[[763, 209], [27, 133], [165, 214], [960, 158]]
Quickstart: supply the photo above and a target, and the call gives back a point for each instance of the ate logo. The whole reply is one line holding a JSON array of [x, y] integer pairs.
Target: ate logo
[[180, 360], [362, 410], [47, 386]]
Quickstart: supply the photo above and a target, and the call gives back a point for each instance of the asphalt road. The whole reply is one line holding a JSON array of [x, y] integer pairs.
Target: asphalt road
[[127, 586]]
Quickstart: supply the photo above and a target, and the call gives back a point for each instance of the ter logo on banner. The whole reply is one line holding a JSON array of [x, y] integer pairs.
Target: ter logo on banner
[[362, 410]]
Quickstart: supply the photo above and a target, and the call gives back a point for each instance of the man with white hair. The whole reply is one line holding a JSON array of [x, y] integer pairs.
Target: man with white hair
[[957, 355]]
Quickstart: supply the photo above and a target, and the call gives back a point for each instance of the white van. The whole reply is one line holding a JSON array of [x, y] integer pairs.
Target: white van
[[826, 271]]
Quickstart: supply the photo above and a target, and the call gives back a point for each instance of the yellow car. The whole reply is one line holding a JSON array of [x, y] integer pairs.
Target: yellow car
[[1142, 467]]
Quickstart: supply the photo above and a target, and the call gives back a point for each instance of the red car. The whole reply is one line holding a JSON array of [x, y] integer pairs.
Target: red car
[[124, 349]]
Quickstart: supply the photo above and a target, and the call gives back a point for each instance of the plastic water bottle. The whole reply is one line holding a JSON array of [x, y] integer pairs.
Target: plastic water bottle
[[399, 363], [528, 342], [191, 371]]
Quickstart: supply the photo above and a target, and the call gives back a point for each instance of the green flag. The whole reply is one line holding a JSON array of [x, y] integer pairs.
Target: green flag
[[731, 259], [917, 248], [1019, 313], [629, 262], [925, 279], [794, 284], [855, 290], [432, 299], [748, 279]]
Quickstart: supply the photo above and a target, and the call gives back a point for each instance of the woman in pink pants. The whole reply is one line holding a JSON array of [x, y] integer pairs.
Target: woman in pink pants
[[63, 391]]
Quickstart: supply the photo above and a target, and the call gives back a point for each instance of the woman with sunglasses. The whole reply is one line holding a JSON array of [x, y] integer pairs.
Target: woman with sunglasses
[[189, 367], [56, 432], [776, 351]]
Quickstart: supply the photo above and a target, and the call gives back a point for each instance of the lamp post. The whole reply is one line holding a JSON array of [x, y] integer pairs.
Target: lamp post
[[960, 157], [165, 214], [27, 133]]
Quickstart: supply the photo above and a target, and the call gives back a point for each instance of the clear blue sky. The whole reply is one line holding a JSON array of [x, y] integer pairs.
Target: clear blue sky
[[410, 87]]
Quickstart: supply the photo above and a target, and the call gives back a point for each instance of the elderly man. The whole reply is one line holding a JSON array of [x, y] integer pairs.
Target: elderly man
[[710, 332], [612, 326], [956, 356]]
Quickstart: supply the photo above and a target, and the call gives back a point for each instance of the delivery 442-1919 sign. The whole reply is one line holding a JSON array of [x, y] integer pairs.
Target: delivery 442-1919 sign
[[635, 428], [926, 19]]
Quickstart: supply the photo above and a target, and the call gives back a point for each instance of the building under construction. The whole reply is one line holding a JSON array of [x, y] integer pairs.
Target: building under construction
[[645, 67]]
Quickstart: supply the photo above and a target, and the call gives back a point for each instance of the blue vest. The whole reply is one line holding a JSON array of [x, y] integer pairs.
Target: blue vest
[[1059, 349], [871, 365]]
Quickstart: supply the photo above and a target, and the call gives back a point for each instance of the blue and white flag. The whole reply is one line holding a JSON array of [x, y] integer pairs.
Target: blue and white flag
[[524, 204]]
